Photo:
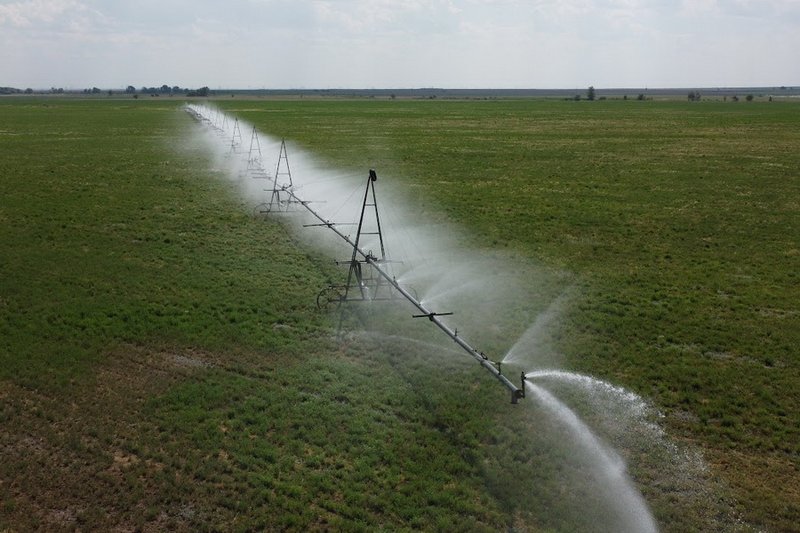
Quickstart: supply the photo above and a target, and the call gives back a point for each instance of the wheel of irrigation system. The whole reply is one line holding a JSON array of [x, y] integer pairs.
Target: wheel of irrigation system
[[330, 297]]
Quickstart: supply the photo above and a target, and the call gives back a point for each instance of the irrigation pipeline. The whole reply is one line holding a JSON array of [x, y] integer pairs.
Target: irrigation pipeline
[[492, 367]]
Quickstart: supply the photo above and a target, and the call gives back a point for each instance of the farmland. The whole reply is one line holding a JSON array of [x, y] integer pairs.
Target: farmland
[[163, 365]]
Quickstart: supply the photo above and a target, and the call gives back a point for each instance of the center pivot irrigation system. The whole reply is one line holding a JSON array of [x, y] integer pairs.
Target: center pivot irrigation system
[[368, 278]]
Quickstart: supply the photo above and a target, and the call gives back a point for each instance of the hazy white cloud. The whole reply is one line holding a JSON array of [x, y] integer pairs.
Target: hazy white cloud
[[54, 16], [29, 13], [386, 43]]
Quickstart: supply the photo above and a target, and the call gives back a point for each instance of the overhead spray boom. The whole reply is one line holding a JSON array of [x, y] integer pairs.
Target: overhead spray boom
[[367, 257]]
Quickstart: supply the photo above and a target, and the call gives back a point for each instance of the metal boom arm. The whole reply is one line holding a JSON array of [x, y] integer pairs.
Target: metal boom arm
[[488, 365]]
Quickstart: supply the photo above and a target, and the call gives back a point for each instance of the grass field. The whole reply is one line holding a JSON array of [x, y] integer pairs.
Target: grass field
[[680, 220], [163, 365]]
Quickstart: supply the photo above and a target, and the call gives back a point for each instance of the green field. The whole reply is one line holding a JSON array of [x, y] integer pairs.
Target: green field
[[163, 366]]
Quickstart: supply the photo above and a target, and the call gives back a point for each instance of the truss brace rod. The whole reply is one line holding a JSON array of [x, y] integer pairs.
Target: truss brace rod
[[489, 366]]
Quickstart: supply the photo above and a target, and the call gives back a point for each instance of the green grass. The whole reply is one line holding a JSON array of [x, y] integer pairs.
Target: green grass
[[680, 220], [113, 235], [162, 365]]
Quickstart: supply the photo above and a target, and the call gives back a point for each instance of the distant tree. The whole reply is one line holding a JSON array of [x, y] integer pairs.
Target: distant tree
[[735, 98], [749, 97], [28, 91], [577, 98], [176, 89], [640, 97], [590, 93], [95, 90], [110, 92], [201, 92], [130, 89], [165, 88]]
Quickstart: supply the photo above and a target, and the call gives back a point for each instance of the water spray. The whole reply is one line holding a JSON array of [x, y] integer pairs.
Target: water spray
[[370, 278], [366, 287], [361, 257]]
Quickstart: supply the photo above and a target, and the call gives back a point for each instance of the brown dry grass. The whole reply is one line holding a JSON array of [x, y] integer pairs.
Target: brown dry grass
[[74, 465]]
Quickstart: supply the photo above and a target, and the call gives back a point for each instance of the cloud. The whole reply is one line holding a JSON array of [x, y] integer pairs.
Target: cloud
[[50, 15], [31, 12], [413, 43], [380, 17], [25, 14]]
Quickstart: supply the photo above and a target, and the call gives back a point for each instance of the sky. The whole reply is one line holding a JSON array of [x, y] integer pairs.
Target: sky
[[319, 44]]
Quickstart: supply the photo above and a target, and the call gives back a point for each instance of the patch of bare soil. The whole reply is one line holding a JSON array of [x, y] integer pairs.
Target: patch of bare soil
[[70, 459]]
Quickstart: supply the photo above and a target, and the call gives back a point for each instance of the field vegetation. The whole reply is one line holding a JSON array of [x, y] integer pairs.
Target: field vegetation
[[681, 221], [162, 365]]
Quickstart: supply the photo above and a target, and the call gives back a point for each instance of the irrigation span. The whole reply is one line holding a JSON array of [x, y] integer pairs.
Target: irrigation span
[[370, 278]]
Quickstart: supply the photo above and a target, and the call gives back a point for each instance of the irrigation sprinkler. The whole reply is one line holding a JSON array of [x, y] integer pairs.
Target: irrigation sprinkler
[[279, 200], [236, 137], [368, 276], [364, 282], [255, 166], [359, 284], [282, 182]]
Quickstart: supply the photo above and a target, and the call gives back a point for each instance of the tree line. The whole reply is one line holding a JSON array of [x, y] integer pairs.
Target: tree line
[[166, 89], [130, 89]]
